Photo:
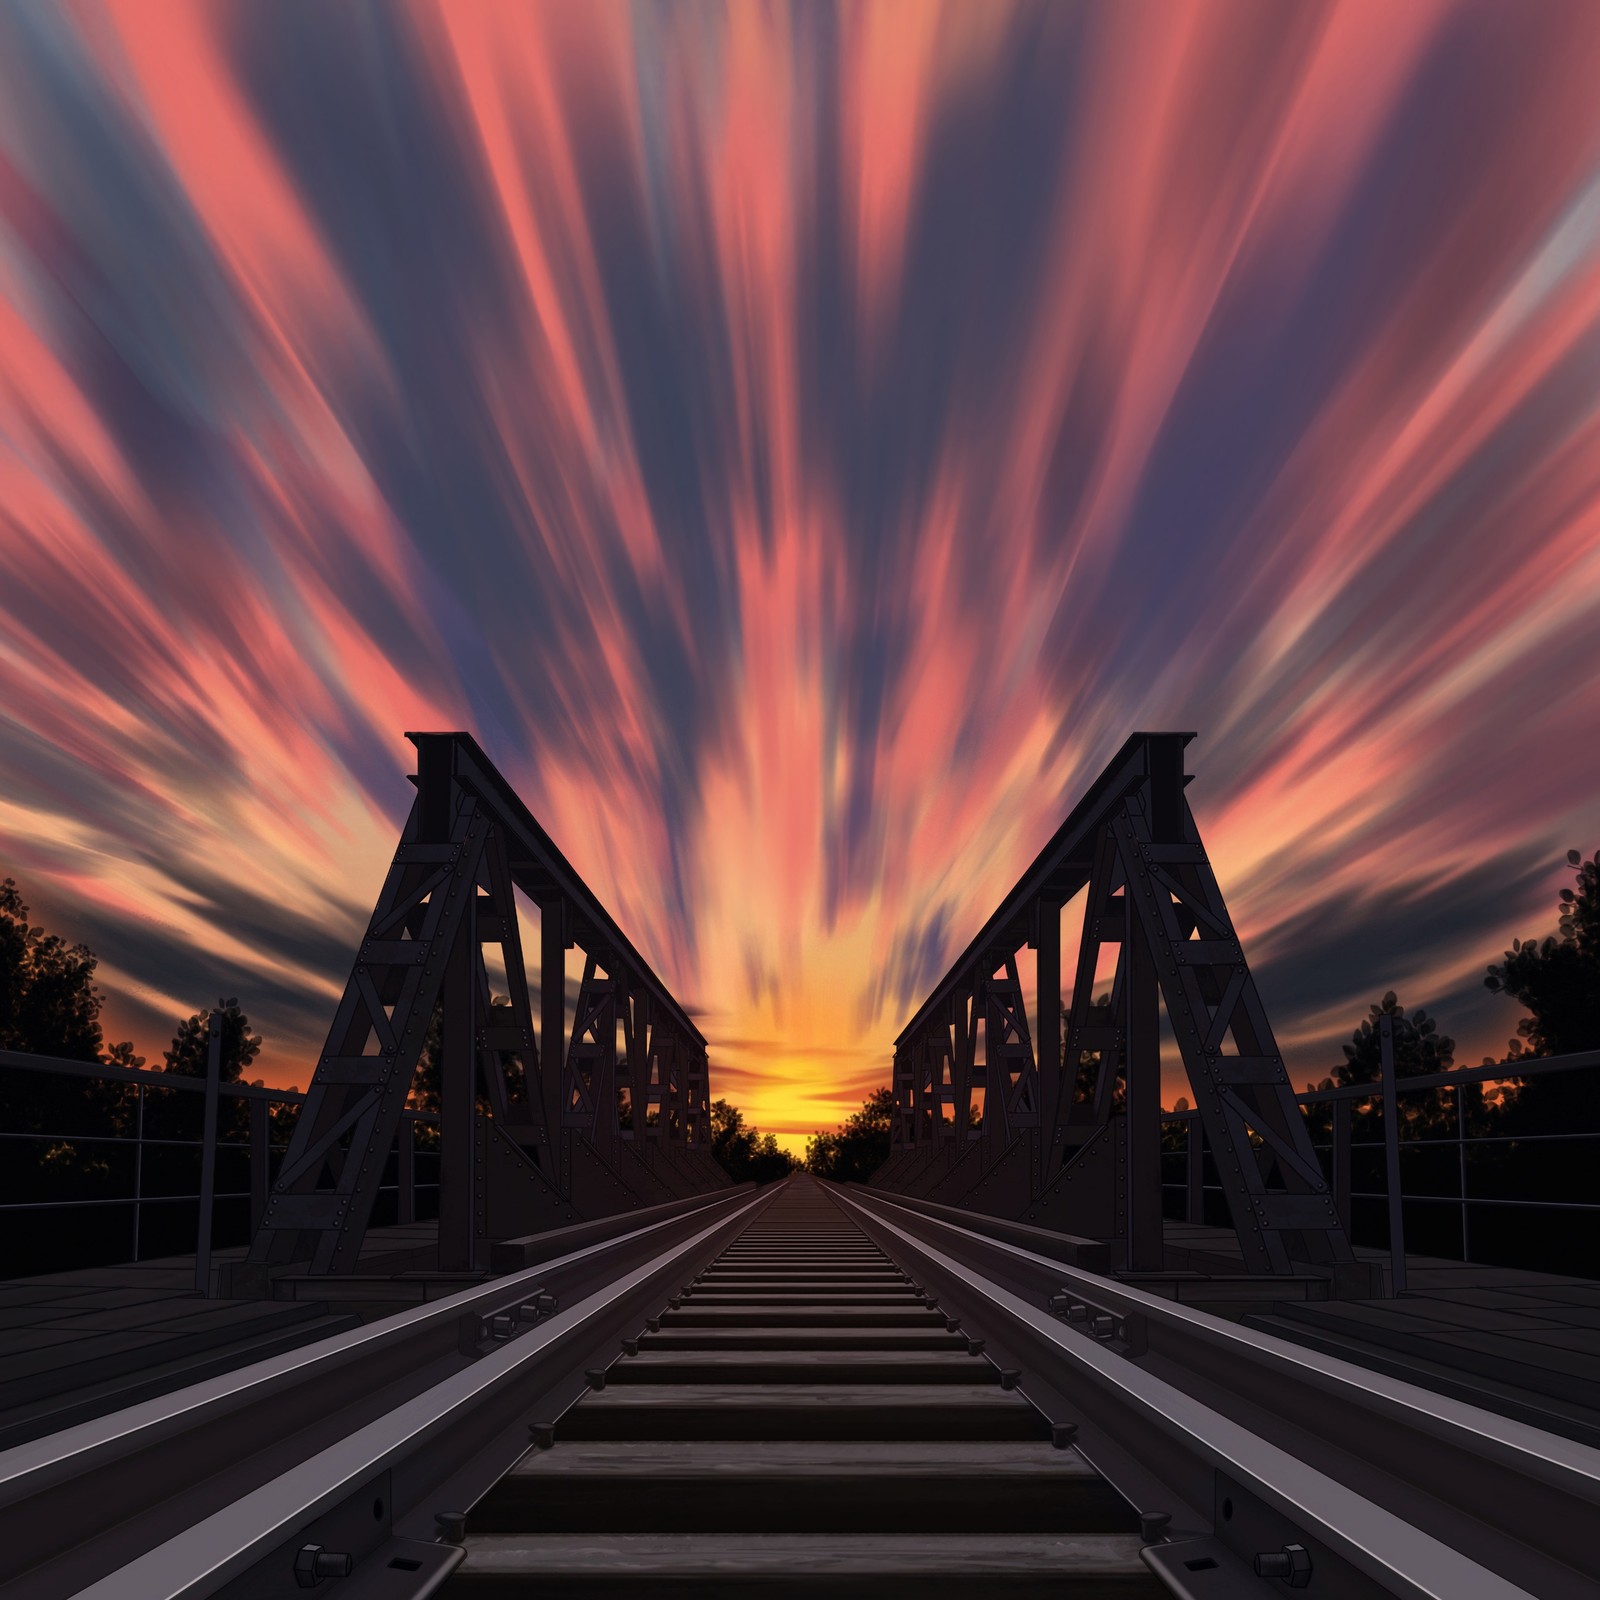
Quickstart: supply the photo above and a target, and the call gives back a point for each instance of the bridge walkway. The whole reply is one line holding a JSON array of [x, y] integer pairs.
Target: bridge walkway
[[88, 1341], [1522, 1343]]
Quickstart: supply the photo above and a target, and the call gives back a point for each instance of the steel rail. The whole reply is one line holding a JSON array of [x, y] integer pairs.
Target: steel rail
[[223, 1545], [221, 1439], [1559, 1463], [1477, 1465]]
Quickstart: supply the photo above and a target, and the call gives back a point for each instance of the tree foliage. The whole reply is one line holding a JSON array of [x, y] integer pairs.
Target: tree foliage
[[182, 1115], [853, 1152], [425, 1081], [1558, 978], [191, 1044], [49, 1005], [1419, 1047], [743, 1151], [1086, 1069]]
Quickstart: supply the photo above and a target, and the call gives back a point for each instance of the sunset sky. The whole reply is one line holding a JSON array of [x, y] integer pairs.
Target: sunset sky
[[800, 444]]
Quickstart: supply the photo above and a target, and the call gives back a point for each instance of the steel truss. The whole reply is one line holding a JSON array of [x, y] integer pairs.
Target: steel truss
[[1067, 1132], [616, 1116]]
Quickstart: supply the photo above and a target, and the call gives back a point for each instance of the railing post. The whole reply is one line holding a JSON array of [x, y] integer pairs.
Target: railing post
[[1391, 1154], [1195, 1168], [260, 1163], [138, 1167], [1342, 1113], [406, 1174], [208, 1157], [1461, 1166]]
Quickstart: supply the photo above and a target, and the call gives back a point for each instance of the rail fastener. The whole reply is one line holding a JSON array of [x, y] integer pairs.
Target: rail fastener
[[1291, 1564], [1153, 1526], [313, 1565]]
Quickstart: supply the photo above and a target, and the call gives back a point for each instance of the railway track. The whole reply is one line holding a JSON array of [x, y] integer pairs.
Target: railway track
[[802, 1390], [803, 1419]]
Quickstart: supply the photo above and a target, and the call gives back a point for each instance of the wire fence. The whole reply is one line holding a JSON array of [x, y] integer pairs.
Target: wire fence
[[1498, 1164], [103, 1164]]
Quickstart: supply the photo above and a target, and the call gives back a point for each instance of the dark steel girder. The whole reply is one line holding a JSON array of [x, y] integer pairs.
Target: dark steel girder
[[539, 869], [1059, 870], [1070, 1127]]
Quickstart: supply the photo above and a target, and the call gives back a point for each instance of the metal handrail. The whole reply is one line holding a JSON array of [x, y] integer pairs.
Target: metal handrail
[[27, 1061], [258, 1147], [1489, 1072], [1388, 1090], [166, 1199]]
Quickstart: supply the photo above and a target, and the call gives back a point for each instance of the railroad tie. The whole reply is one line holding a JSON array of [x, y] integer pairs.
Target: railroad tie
[[803, 1422]]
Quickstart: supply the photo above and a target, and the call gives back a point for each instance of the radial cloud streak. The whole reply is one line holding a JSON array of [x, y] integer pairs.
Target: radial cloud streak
[[800, 443]]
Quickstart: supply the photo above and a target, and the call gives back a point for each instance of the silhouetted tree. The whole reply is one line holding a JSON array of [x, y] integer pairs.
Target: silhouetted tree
[[743, 1151], [856, 1150], [424, 1095], [50, 1007], [1419, 1047], [1175, 1135], [191, 1044], [1085, 1068], [1558, 978], [181, 1114], [48, 1003]]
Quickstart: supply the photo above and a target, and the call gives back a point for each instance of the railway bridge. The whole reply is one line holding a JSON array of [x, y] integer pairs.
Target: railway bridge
[[1064, 1343]]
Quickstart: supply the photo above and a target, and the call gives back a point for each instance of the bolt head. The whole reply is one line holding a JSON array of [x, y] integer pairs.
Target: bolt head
[[305, 1566]]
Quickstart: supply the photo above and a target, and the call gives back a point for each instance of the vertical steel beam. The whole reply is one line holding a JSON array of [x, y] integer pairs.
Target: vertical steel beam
[[138, 1168], [1341, 1161], [553, 1031], [260, 1162], [966, 1051], [406, 1171], [208, 1157], [1142, 1124], [1391, 1158], [639, 1060], [458, 1062], [919, 1090], [1047, 1025]]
